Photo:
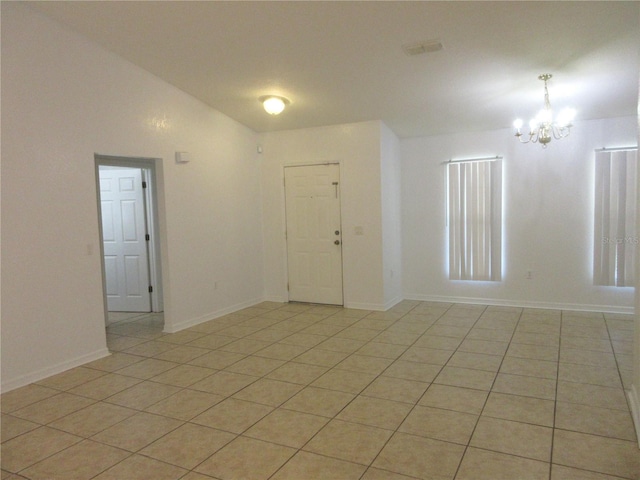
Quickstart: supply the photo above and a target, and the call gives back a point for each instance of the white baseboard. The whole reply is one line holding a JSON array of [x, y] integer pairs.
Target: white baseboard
[[52, 370], [521, 303], [634, 405], [176, 327]]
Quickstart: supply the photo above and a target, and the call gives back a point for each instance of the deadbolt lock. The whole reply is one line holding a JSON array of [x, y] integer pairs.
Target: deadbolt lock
[[337, 232]]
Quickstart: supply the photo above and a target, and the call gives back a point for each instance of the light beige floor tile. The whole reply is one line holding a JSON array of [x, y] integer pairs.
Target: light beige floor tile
[[188, 445], [427, 355], [137, 431], [536, 352], [598, 454], [255, 366], [217, 360], [585, 343], [375, 412], [212, 341], [485, 465], [344, 381], [25, 396], [52, 408], [244, 345], [446, 425], [93, 419], [437, 342], [560, 472], [449, 331], [269, 334], [587, 357], [419, 457], [25, 450], [476, 361], [544, 388], [11, 427], [149, 348], [287, 427], [281, 351], [268, 392], [605, 377], [247, 459], [345, 345], [232, 415], [71, 378], [142, 395], [594, 395], [397, 337], [520, 409], [349, 441], [182, 354], [224, 383], [486, 347], [137, 467], [119, 344], [358, 333], [489, 334], [305, 465], [454, 398], [466, 378], [383, 350], [543, 339], [378, 474], [595, 420], [319, 401], [300, 373], [515, 438], [147, 368], [105, 386], [421, 372], [364, 364], [323, 358], [184, 375], [396, 389], [114, 362], [185, 404], [72, 463], [180, 338], [529, 367]]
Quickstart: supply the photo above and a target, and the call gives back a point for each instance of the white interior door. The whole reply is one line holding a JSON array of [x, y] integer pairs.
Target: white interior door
[[314, 235], [124, 238]]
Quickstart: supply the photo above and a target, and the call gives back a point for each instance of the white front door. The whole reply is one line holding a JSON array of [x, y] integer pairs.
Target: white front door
[[124, 238], [314, 233]]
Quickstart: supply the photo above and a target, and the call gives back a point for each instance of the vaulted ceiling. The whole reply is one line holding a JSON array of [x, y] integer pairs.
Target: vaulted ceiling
[[341, 62]]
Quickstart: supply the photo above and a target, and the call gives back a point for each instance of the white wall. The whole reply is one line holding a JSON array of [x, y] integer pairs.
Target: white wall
[[391, 216], [63, 100], [548, 218], [356, 147]]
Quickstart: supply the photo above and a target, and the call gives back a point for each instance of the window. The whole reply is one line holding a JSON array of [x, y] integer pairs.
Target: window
[[475, 219], [615, 217]]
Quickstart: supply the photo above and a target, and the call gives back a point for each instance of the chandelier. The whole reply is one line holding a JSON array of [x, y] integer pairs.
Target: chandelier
[[543, 127]]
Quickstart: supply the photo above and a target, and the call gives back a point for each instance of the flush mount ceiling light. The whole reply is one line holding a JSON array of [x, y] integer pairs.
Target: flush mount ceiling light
[[543, 127], [273, 104]]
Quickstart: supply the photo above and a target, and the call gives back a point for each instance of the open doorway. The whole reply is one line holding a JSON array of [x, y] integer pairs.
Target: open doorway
[[127, 208]]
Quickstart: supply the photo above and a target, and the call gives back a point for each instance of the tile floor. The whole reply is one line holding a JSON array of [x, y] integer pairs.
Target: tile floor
[[291, 391]]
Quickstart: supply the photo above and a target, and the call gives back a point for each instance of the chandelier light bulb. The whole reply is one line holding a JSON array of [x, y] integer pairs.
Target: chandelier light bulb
[[543, 128]]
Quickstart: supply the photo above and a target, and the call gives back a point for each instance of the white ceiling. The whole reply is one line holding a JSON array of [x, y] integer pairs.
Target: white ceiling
[[341, 62]]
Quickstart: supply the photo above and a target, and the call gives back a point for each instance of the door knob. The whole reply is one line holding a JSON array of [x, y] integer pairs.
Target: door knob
[[337, 232], [337, 242]]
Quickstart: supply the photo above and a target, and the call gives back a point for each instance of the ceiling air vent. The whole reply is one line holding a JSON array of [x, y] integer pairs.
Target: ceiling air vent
[[419, 48]]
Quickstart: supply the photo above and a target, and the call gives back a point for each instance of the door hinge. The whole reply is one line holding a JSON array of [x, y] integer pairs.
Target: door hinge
[[150, 289], [144, 184], [147, 237]]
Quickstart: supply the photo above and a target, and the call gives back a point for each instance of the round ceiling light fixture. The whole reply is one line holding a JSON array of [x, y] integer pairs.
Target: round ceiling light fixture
[[273, 104]]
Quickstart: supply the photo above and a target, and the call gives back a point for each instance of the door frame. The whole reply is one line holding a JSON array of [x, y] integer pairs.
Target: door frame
[[284, 203], [148, 167]]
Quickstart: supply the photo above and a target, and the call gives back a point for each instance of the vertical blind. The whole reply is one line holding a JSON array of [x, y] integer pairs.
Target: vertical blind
[[475, 219], [615, 217]]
